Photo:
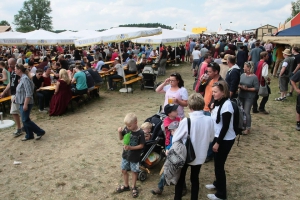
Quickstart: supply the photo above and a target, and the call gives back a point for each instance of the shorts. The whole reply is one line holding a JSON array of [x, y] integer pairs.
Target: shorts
[[130, 166], [14, 107], [298, 105], [187, 53], [284, 84]]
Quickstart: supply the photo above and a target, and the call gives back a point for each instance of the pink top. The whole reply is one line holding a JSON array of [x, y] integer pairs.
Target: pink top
[[114, 55], [180, 94], [203, 68], [167, 122]]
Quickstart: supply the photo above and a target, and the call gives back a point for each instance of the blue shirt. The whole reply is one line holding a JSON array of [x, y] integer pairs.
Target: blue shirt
[[80, 80]]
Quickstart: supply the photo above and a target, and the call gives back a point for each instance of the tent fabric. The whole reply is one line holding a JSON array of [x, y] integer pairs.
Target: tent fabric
[[188, 34], [42, 37], [293, 31], [167, 37], [9, 38], [117, 35], [292, 40]]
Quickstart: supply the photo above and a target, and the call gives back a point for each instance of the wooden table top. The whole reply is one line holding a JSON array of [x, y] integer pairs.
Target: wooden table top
[[48, 87], [2, 87]]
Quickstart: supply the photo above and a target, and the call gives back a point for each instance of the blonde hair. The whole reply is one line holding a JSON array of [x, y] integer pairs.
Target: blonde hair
[[146, 125], [250, 65], [196, 102], [130, 118], [64, 76]]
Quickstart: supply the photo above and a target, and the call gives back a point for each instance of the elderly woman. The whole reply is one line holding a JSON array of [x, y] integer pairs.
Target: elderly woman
[[175, 93], [222, 114], [201, 134], [24, 97], [248, 87], [62, 94]]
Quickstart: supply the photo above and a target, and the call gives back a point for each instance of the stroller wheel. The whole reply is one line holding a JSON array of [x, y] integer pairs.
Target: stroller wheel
[[142, 176], [142, 86]]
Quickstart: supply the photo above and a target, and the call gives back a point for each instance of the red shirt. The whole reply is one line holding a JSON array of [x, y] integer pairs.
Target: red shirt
[[187, 46], [47, 81], [167, 122]]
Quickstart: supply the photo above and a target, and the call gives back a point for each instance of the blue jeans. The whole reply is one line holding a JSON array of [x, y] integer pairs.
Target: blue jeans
[[29, 126], [210, 152], [247, 104], [40, 96], [162, 182]]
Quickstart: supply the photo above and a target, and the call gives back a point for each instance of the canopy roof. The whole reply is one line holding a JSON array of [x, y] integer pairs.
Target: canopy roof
[[9, 38], [117, 35], [291, 40], [188, 34], [293, 31], [42, 37], [167, 37]]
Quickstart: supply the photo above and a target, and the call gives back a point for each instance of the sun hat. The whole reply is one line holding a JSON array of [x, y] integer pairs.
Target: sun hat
[[225, 58], [287, 52]]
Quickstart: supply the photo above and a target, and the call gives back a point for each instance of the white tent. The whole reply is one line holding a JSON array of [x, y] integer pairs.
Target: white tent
[[167, 37], [86, 33], [188, 34], [117, 35], [9, 38], [42, 37], [222, 32], [69, 34]]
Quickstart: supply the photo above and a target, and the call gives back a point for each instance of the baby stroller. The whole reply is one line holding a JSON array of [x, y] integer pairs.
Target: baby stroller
[[153, 151], [149, 77]]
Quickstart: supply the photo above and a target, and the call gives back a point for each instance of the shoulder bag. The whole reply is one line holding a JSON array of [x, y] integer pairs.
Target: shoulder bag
[[190, 153]]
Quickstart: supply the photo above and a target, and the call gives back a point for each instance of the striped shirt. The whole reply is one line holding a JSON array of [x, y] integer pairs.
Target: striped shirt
[[25, 89]]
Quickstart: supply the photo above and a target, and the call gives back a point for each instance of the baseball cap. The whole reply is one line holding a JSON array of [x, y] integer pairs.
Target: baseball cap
[[173, 125], [169, 108]]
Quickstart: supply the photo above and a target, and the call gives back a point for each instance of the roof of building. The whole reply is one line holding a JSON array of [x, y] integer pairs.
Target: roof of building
[[4, 28]]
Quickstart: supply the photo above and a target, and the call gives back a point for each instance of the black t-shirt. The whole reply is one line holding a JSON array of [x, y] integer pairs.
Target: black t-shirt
[[125, 56], [136, 138], [164, 54], [89, 79], [37, 82], [296, 61], [14, 80], [96, 77], [103, 54], [64, 64], [296, 78]]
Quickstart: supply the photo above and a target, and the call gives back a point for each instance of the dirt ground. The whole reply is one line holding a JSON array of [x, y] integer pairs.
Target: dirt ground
[[79, 157]]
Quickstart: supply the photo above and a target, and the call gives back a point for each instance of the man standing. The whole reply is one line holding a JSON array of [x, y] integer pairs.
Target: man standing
[[262, 75], [296, 66], [295, 79], [233, 76], [12, 86], [285, 73], [255, 55], [279, 58], [192, 45]]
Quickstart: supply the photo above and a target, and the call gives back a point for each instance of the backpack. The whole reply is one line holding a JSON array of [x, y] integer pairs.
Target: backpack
[[239, 117]]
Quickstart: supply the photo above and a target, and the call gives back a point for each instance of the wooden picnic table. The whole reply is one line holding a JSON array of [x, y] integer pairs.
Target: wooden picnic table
[[109, 62], [2, 87], [51, 87]]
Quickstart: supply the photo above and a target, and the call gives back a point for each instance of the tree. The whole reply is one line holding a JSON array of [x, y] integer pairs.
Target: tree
[[4, 23], [295, 10], [34, 15]]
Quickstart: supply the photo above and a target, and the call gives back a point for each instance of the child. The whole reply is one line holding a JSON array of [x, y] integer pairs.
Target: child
[[172, 128], [147, 127], [131, 153], [172, 115]]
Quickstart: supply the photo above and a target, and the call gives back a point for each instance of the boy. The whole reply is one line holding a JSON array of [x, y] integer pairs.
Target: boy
[[147, 127], [131, 153], [172, 128], [172, 115]]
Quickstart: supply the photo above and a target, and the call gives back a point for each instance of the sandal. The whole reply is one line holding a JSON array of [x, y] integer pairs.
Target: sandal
[[122, 188], [280, 98], [135, 192]]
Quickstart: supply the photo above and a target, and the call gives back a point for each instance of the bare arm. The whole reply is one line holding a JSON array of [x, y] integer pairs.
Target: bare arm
[[160, 88], [120, 133], [5, 90]]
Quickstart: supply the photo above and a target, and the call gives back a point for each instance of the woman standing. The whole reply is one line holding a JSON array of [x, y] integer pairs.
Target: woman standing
[[24, 97], [162, 61], [62, 94], [248, 88], [196, 58], [201, 134], [222, 114], [5, 74], [175, 93]]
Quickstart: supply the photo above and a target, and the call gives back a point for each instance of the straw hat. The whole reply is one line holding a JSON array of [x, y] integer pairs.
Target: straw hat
[[225, 58], [287, 52]]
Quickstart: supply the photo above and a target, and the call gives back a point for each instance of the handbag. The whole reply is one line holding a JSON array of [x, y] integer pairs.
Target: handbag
[[263, 90], [190, 153]]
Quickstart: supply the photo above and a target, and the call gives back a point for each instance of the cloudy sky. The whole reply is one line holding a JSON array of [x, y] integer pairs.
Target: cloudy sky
[[103, 14]]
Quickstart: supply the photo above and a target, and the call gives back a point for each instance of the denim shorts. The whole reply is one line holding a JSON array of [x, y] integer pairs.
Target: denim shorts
[[130, 166]]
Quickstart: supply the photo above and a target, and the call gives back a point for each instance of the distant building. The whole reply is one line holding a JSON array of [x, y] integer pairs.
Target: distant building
[[199, 30], [265, 30], [293, 22], [4, 29]]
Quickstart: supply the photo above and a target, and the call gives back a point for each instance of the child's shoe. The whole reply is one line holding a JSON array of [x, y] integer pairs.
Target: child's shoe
[[156, 191]]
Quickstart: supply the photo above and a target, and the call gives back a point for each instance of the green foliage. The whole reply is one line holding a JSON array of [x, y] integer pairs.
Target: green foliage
[[34, 15], [4, 23], [295, 9], [147, 25], [101, 30]]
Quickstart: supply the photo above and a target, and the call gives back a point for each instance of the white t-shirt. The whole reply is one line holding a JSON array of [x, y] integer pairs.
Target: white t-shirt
[[227, 107], [196, 54], [120, 70]]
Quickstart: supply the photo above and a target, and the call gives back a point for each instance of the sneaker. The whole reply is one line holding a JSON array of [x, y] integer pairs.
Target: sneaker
[[156, 191], [111, 89], [40, 136], [210, 186], [280, 99], [43, 111], [213, 197], [17, 133], [289, 94], [298, 127], [264, 112]]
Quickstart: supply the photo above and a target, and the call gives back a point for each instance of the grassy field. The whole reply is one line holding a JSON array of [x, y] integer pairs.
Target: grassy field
[[79, 157]]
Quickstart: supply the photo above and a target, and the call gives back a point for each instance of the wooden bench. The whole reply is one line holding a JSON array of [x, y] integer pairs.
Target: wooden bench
[[170, 62], [127, 78], [3, 101], [131, 81]]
